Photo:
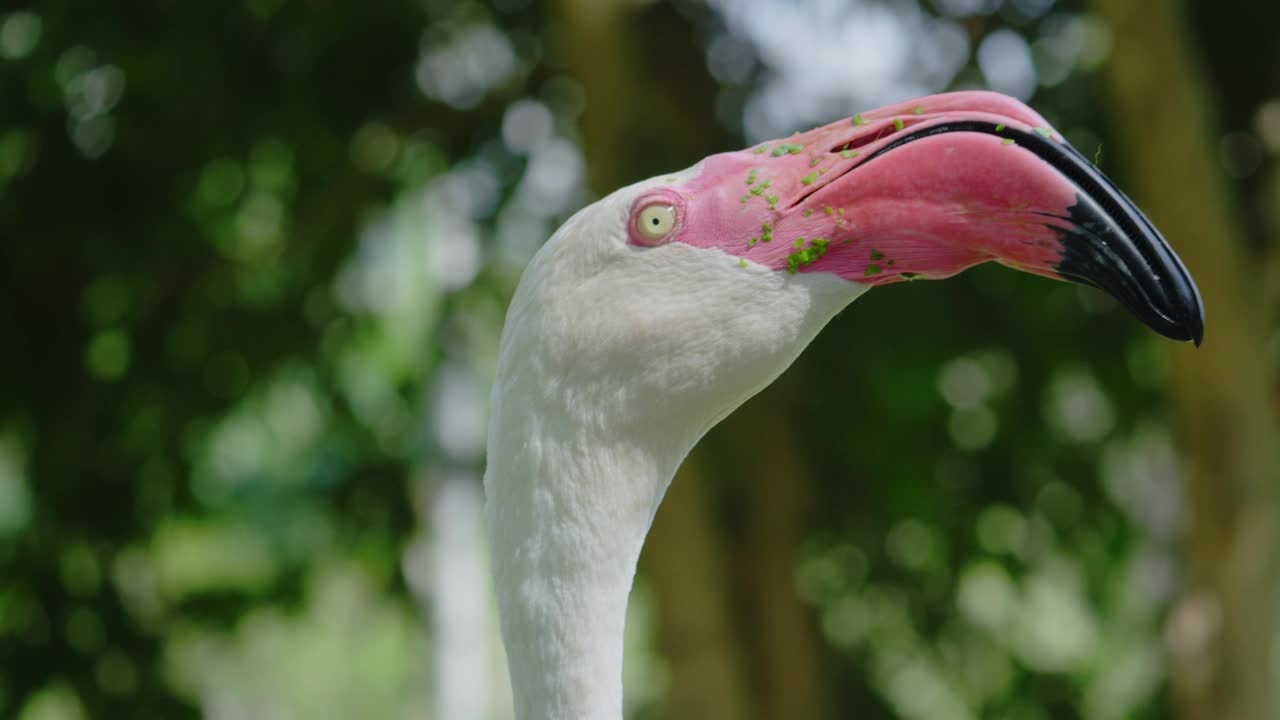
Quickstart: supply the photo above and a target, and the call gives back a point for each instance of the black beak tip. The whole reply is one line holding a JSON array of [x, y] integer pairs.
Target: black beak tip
[[1196, 327], [1195, 319], [1180, 320], [1190, 329], [1180, 295], [1120, 252], [1108, 243], [1168, 303]]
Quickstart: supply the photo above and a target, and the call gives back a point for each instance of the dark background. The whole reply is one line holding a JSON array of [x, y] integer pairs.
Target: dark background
[[255, 257]]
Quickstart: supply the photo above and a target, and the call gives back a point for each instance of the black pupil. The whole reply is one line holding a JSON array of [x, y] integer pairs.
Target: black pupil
[[656, 221]]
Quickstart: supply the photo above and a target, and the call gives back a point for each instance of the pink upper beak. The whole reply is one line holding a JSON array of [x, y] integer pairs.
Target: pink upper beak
[[931, 187]]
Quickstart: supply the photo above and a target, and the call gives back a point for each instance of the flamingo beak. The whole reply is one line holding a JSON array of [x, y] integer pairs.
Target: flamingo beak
[[1103, 239], [936, 185]]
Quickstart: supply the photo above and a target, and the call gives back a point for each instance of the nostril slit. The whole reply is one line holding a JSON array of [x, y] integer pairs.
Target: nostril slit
[[858, 142], [880, 134]]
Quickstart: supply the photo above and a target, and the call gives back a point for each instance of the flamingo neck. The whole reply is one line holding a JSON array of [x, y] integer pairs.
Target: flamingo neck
[[610, 367], [568, 511]]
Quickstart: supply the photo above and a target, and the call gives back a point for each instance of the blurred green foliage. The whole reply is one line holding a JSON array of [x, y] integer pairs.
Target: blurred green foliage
[[255, 258]]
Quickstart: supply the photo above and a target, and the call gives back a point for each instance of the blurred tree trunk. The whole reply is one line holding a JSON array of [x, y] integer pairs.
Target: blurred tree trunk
[[646, 113], [684, 559], [779, 486], [1222, 632]]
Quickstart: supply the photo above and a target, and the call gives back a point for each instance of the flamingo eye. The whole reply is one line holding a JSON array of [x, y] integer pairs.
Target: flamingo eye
[[655, 222]]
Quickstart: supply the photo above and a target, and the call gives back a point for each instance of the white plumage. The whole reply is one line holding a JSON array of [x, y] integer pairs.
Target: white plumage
[[615, 360]]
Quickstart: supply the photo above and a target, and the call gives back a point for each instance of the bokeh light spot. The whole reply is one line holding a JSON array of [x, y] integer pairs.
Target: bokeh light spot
[[15, 495], [374, 147], [1000, 529], [911, 544], [13, 152], [220, 183], [53, 702], [973, 429], [108, 355], [526, 124], [1077, 408], [986, 596], [1005, 60], [19, 34], [964, 383]]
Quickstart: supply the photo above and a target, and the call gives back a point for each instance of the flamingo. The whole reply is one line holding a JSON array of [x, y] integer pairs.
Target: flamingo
[[653, 313]]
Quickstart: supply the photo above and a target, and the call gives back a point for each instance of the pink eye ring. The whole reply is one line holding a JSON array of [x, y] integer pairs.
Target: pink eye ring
[[655, 222], [656, 217]]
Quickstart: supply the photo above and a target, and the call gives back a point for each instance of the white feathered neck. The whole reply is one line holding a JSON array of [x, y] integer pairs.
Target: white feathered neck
[[614, 361]]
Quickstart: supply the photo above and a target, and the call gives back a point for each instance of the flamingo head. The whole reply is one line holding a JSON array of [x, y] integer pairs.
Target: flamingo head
[[654, 312], [698, 288]]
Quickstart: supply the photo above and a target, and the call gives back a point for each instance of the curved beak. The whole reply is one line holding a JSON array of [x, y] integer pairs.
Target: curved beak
[[930, 187], [1105, 240]]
